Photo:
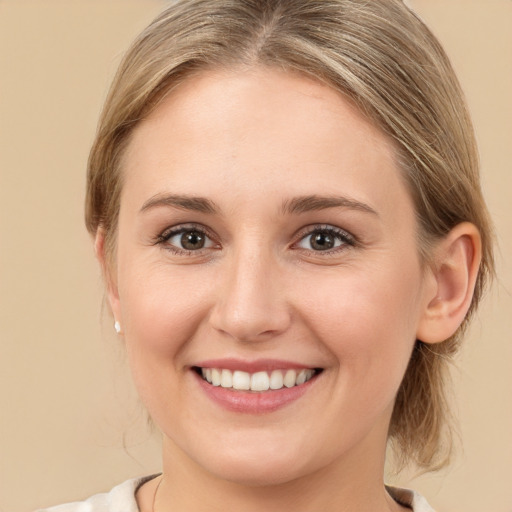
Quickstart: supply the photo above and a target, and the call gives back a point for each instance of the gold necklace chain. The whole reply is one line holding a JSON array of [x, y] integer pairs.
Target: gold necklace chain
[[156, 491]]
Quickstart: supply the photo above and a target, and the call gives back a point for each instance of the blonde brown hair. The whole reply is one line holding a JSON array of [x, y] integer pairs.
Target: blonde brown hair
[[380, 55]]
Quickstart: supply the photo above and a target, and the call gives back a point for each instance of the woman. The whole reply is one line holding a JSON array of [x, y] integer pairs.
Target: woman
[[285, 203]]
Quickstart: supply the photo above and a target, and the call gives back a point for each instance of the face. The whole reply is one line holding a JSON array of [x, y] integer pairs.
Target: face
[[267, 244]]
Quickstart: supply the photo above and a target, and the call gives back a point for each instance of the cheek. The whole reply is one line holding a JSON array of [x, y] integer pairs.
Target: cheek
[[161, 308], [368, 322]]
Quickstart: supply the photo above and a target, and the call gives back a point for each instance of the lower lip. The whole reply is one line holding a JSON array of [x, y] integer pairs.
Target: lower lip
[[253, 402]]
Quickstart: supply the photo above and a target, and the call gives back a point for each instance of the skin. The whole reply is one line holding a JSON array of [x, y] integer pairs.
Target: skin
[[250, 142]]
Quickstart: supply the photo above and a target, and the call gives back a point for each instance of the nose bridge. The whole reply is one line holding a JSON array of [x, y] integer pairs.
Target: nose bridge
[[251, 304]]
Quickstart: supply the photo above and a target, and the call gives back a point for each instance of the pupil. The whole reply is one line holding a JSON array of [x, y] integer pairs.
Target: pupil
[[322, 241], [192, 240]]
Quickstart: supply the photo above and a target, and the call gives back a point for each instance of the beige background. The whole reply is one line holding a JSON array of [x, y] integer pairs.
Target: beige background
[[70, 425]]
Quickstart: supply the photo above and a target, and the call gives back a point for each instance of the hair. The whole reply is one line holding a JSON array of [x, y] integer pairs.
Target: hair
[[380, 56]]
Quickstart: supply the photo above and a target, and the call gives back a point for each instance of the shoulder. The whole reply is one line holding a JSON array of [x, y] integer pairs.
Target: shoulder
[[120, 499], [410, 499]]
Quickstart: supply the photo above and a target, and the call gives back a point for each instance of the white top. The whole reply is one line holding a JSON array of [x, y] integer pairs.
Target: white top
[[122, 499]]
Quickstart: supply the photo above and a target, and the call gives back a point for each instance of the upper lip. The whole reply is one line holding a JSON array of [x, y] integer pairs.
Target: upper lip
[[258, 365]]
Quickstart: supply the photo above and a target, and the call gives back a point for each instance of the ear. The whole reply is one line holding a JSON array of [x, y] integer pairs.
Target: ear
[[109, 276], [454, 271]]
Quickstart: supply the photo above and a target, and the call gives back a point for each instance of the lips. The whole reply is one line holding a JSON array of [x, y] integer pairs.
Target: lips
[[254, 387]]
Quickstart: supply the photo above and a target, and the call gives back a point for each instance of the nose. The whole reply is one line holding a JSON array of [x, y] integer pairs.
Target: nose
[[251, 301]]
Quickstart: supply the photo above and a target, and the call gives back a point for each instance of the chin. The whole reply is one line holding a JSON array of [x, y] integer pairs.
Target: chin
[[255, 465]]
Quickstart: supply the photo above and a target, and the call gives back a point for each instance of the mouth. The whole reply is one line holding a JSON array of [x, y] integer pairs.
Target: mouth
[[257, 382]]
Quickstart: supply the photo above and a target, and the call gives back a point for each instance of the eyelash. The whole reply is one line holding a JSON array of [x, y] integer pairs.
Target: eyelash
[[346, 239], [169, 233]]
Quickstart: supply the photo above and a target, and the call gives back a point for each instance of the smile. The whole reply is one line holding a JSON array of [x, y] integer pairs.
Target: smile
[[259, 381]]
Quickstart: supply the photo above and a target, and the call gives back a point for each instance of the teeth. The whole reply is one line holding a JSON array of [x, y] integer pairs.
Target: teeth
[[301, 377], [226, 379], [241, 380], [276, 379], [215, 377], [289, 378], [259, 381]]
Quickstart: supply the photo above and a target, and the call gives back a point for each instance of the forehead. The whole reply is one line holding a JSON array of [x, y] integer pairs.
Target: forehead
[[259, 129]]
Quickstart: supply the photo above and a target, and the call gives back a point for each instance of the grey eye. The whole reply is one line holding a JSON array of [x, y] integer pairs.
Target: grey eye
[[190, 240], [322, 240]]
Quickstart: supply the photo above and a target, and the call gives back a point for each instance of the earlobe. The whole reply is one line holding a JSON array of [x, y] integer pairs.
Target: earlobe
[[108, 275], [455, 269]]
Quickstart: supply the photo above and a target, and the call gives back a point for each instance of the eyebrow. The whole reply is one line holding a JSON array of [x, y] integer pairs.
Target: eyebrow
[[296, 205], [183, 202], [310, 203]]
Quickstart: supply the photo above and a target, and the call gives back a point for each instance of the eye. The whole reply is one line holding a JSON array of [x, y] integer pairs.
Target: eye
[[189, 240], [186, 239], [325, 238]]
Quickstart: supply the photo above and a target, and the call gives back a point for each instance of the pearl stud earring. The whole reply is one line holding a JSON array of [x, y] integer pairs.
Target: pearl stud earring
[[117, 327]]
